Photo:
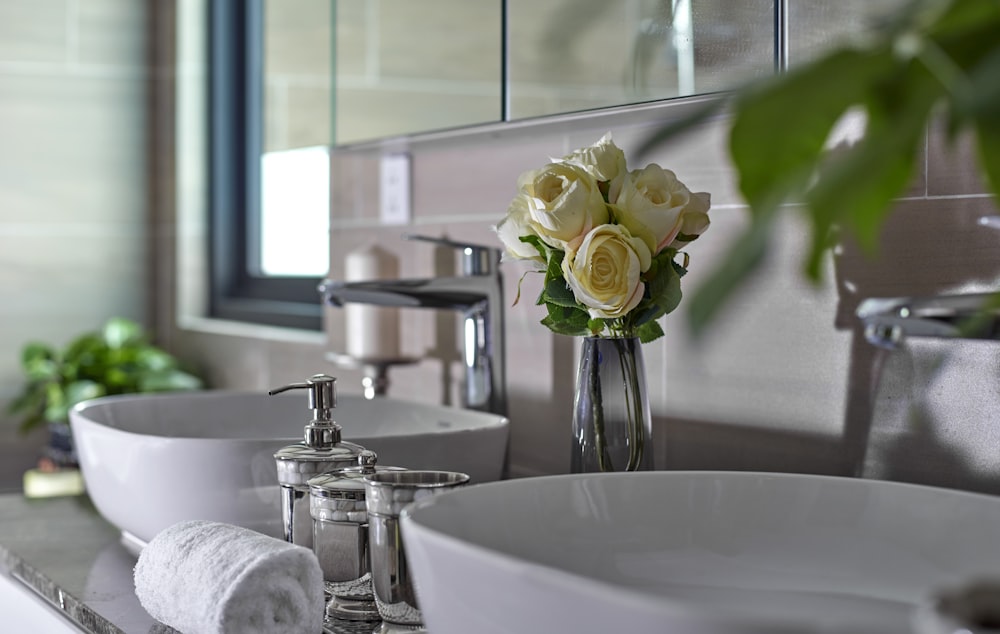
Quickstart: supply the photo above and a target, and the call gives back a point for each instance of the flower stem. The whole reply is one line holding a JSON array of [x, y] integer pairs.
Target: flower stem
[[633, 403], [597, 409]]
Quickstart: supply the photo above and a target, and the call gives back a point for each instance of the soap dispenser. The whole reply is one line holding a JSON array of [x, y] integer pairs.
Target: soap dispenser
[[320, 451]]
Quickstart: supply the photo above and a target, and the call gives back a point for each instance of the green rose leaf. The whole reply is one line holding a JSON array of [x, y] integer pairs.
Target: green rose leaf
[[565, 320], [558, 292], [649, 331], [542, 248], [663, 290], [596, 326]]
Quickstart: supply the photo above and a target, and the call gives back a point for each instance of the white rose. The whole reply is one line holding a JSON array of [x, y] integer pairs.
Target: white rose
[[517, 223], [656, 206], [603, 160], [694, 220], [564, 203], [603, 272]]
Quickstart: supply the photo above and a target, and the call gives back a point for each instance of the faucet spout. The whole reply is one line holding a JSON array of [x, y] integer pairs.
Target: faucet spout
[[444, 293], [888, 321], [477, 296]]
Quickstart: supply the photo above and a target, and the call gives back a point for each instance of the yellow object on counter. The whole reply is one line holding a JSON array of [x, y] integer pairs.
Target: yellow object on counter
[[44, 484]]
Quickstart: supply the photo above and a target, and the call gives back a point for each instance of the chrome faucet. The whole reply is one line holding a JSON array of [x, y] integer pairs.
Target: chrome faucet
[[888, 321], [477, 293]]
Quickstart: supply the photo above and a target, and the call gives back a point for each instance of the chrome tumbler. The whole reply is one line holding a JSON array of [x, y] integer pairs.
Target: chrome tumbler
[[386, 494]]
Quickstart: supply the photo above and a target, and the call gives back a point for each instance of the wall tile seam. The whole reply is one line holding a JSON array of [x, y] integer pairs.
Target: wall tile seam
[[423, 221], [925, 174], [285, 81], [386, 83], [52, 229], [933, 197], [374, 223], [474, 219], [901, 199], [82, 70]]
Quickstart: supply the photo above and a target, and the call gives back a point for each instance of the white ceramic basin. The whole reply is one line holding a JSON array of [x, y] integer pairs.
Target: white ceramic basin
[[150, 461], [686, 552]]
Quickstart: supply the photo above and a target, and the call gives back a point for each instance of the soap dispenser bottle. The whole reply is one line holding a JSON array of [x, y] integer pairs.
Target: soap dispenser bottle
[[320, 451]]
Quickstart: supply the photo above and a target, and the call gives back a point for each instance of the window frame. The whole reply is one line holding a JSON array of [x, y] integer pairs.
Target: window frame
[[237, 290]]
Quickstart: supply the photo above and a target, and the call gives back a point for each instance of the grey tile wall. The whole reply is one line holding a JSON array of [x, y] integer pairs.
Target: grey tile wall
[[73, 221]]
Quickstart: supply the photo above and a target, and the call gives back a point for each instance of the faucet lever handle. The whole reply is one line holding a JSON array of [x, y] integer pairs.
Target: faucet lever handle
[[477, 259]]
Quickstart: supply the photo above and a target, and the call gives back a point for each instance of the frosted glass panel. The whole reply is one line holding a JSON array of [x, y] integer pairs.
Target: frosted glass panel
[[569, 55]]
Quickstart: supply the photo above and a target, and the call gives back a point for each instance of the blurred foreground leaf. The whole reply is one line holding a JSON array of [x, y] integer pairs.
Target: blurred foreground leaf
[[931, 57]]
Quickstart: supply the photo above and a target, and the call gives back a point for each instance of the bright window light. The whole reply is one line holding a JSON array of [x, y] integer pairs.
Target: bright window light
[[295, 208]]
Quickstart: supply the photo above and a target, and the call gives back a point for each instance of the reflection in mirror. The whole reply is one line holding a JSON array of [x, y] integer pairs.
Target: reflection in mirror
[[296, 83], [402, 67], [815, 27], [570, 55], [338, 73]]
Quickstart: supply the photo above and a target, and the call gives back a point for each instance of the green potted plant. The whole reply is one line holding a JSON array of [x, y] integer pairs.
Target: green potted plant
[[117, 359]]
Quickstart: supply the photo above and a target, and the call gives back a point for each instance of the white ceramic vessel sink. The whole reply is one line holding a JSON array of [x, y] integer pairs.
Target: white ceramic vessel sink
[[693, 552], [150, 461]]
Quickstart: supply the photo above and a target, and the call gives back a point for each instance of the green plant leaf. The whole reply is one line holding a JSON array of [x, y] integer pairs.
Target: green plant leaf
[[152, 359], [31, 421], [665, 288], [558, 292], [855, 188], [169, 381], [742, 262], [119, 332], [980, 104], [34, 352], [56, 410], [116, 360], [988, 130], [79, 391], [41, 369], [649, 331], [780, 128], [595, 326], [672, 130], [30, 400], [565, 320]]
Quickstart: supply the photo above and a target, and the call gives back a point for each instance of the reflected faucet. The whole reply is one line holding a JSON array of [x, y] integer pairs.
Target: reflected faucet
[[477, 294], [888, 321]]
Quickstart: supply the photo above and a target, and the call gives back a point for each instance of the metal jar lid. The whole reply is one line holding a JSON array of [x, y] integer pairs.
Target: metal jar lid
[[348, 483]]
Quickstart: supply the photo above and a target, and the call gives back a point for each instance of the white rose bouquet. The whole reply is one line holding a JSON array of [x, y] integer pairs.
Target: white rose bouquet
[[607, 240]]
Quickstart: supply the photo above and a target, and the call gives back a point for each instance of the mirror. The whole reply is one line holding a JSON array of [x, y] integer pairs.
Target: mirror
[[340, 73], [403, 67], [572, 55]]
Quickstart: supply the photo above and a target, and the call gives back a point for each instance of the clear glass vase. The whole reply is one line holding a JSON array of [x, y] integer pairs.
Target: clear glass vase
[[612, 426]]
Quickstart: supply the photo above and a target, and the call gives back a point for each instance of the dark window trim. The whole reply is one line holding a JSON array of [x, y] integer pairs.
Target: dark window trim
[[237, 289]]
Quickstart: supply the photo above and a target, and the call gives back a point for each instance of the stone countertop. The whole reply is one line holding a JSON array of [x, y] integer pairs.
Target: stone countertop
[[73, 557]]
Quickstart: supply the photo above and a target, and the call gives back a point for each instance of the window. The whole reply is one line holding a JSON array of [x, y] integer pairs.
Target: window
[[265, 265]]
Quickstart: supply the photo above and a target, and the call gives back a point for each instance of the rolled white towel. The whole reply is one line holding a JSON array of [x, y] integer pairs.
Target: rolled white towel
[[204, 577]]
